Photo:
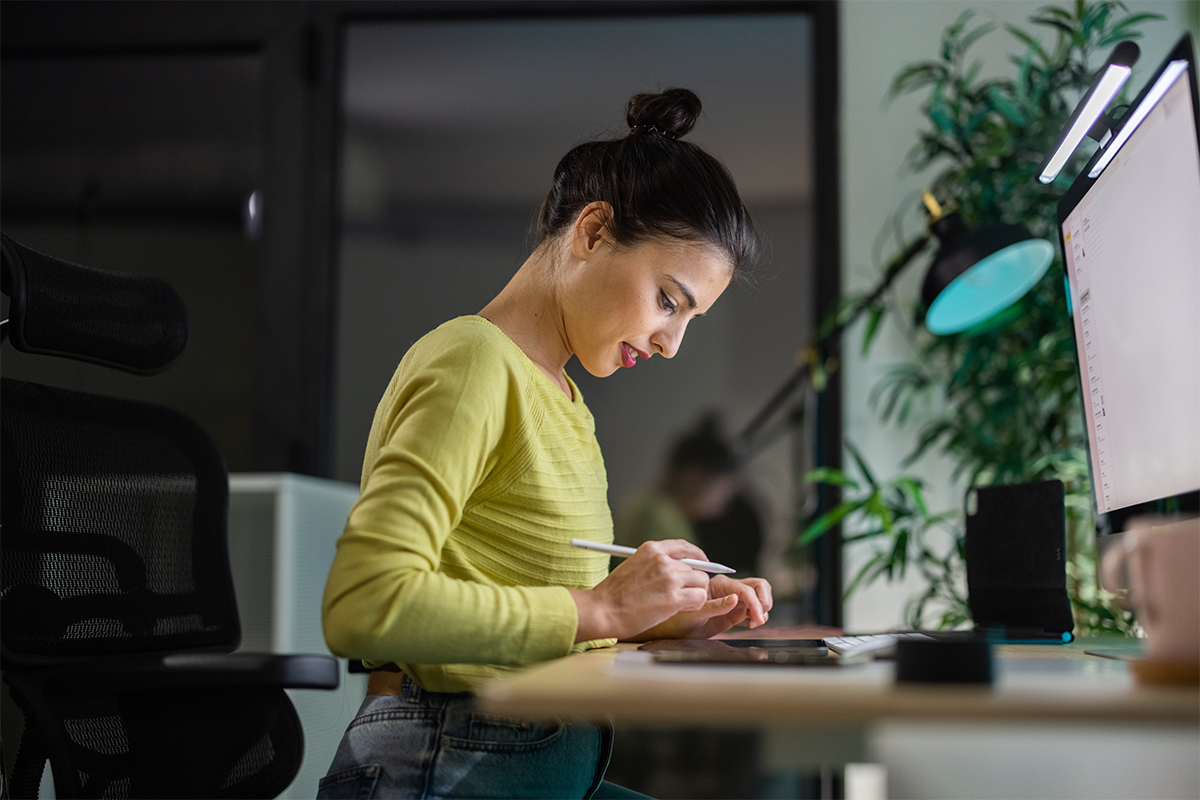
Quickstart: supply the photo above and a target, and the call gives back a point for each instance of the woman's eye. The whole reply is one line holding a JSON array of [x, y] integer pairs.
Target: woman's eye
[[667, 303]]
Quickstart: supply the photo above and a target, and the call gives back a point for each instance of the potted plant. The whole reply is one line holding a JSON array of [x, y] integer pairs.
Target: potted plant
[[1008, 387]]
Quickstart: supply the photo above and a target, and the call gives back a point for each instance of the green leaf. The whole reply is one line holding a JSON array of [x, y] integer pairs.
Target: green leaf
[[975, 35], [829, 519], [972, 73], [914, 491], [1137, 19], [1030, 42], [871, 329], [1126, 28], [1023, 69], [899, 555], [871, 570], [1074, 35], [1093, 17], [929, 436], [1007, 107], [858, 537], [861, 463], [1055, 11], [877, 508], [831, 476], [916, 76]]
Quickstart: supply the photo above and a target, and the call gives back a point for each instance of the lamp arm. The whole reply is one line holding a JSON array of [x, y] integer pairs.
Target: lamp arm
[[826, 344]]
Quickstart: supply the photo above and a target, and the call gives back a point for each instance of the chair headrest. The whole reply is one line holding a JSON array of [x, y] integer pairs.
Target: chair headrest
[[136, 323]]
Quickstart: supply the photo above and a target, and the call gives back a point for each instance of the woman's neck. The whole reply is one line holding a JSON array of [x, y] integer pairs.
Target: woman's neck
[[529, 313]]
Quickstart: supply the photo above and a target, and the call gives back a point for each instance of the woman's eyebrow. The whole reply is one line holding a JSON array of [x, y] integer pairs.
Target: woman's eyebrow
[[686, 292]]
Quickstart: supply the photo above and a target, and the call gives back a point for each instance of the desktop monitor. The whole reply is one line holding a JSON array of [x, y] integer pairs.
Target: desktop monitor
[[1130, 232]]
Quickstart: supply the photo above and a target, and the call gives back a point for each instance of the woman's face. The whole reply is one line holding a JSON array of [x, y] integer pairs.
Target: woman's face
[[627, 304]]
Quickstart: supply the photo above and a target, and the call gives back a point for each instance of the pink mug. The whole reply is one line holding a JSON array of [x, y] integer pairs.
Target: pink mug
[[1163, 567]]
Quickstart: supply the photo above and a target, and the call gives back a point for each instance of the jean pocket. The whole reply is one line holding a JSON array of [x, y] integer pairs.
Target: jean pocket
[[389, 709], [355, 783], [512, 758], [494, 733]]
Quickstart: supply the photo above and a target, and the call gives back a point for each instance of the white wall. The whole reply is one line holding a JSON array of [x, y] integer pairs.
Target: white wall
[[878, 38]]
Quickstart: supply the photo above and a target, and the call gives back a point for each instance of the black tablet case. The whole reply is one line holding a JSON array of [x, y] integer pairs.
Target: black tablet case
[[1015, 549]]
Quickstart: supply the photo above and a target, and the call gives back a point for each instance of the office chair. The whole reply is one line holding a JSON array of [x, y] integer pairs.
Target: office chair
[[118, 620]]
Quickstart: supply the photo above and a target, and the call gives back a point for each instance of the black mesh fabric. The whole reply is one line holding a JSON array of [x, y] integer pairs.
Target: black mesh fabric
[[114, 519], [214, 743], [269, 766], [135, 323]]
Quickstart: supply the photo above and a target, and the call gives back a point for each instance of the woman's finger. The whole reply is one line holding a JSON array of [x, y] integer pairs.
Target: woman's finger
[[675, 548], [694, 578], [695, 599], [745, 592], [718, 606], [763, 589]]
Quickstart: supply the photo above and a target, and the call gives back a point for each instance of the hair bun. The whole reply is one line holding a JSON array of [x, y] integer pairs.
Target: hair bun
[[672, 113]]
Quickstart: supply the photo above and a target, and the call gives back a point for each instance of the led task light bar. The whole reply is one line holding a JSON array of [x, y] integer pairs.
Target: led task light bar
[[1090, 109]]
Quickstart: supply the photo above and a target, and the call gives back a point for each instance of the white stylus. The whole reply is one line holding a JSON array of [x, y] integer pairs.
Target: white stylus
[[625, 552]]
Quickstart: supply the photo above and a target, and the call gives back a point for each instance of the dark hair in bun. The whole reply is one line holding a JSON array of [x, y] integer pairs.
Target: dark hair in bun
[[658, 185], [672, 113]]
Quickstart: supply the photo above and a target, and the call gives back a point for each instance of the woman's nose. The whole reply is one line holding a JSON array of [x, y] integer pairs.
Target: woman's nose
[[668, 340]]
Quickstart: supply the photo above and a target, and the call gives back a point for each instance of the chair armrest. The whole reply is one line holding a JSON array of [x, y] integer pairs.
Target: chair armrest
[[191, 670], [292, 671]]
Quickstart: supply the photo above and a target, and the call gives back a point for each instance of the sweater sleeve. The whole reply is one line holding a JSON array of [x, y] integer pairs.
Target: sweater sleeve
[[442, 428]]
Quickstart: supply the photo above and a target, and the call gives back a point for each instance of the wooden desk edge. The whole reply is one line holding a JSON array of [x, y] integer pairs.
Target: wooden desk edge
[[583, 685]]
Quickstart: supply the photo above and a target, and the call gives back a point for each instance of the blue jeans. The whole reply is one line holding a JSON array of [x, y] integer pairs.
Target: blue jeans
[[420, 744]]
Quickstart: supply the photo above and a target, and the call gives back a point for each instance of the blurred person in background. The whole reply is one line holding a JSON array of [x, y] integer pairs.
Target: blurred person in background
[[698, 498], [482, 464]]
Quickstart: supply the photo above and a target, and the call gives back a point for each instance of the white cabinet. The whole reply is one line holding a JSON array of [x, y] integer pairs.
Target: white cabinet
[[283, 531]]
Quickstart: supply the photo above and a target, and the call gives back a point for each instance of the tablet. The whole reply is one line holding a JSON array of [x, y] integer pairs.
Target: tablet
[[763, 652]]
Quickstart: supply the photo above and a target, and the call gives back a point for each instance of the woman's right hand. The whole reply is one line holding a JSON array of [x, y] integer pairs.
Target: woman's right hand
[[648, 588]]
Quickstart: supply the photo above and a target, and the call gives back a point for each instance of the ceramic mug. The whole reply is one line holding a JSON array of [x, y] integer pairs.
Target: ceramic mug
[[1162, 563]]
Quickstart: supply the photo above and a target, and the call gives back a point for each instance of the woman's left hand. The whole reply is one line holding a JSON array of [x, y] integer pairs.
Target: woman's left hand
[[730, 601]]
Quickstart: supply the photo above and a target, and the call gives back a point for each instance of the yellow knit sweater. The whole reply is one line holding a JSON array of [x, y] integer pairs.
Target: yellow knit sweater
[[455, 560]]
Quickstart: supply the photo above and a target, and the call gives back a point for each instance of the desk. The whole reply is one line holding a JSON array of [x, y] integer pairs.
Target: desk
[[1059, 683], [823, 715]]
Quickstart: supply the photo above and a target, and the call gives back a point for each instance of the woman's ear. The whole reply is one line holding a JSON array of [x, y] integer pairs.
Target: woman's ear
[[591, 229]]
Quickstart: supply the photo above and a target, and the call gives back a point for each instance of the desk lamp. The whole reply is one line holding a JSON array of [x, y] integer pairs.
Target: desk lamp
[[1089, 118], [974, 275], [977, 274]]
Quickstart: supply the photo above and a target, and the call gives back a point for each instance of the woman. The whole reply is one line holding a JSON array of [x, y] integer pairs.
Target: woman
[[482, 464]]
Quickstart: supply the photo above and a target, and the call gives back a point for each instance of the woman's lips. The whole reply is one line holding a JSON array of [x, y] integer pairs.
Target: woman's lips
[[629, 355]]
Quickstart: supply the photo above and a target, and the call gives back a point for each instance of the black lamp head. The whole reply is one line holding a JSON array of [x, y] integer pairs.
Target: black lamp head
[[976, 274]]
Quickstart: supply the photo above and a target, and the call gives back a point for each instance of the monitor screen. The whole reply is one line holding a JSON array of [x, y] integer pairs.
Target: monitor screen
[[1131, 250]]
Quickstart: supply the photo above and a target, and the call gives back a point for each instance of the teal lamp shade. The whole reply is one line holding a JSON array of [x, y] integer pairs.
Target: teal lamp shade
[[977, 274]]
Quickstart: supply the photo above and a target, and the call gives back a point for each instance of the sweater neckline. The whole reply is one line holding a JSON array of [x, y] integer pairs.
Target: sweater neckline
[[576, 398]]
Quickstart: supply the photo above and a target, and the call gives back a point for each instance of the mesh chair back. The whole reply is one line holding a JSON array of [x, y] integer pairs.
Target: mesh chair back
[[114, 529], [134, 323]]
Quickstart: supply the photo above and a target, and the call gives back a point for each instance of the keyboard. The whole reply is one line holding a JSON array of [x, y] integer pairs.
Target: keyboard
[[867, 644]]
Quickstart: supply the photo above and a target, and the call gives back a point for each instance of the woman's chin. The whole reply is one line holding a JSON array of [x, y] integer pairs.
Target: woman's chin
[[602, 370]]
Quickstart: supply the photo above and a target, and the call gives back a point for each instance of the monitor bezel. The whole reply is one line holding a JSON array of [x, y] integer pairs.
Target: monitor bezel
[[1114, 521]]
